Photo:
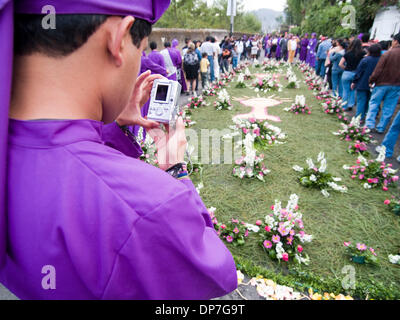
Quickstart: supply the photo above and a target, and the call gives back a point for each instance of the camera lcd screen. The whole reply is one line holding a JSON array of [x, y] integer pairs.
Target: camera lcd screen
[[162, 93]]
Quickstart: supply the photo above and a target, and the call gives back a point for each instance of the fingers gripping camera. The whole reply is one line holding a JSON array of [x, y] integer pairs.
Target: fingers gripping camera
[[164, 101]]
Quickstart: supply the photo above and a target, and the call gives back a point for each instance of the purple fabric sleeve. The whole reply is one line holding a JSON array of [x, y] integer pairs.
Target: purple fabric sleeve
[[115, 138], [188, 260], [189, 184]]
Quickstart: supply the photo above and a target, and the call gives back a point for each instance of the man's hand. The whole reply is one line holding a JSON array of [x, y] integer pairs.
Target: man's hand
[[132, 115], [171, 145]]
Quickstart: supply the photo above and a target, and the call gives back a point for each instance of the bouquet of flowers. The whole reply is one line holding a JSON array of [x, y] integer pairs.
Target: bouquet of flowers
[[282, 233], [354, 132], [359, 148], [233, 232], [250, 166], [306, 68], [299, 107], [394, 205], [221, 84], [268, 83], [293, 83], [241, 83], [186, 115], [394, 259], [314, 82], [318, 177], [324, 94], [374, 173], [271, 65], [210, 92], [247, 74], [196, 102], [335, 106], [263, 133], [361, 254], [223, 101]]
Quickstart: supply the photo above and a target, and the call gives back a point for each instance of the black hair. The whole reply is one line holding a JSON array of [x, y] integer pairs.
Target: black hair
[[72, 32], [342, 43], [355, 47], [365, 37], [204, 55], [375, 50], [212, 39], [384, 45], [397, 37], [153, 45], [167, 44], [208, 38]]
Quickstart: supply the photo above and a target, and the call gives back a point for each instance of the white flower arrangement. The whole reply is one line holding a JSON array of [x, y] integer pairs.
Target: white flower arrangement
[[394, 259], [318, 177], [374, 173], [354, 132], [266, 84], [264, 134], [223, 101], [250, 165], [241, 83], [299, 107]]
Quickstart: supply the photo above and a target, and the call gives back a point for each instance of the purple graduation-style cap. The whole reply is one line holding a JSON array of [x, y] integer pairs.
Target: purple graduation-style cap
[[149, 10], [174, 43], [360, 36]]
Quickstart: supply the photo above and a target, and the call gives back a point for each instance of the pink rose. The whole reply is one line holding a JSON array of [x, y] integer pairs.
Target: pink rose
[[285, 257], [299, 248], [387, 202]]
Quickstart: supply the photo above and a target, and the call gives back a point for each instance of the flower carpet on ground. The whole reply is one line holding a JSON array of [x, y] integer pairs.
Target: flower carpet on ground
[[361, 210]]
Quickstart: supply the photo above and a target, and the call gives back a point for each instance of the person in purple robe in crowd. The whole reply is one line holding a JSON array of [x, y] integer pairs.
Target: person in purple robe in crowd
[[278, 48], [303, 48], [178, 64], [81, 216], [266, 45], [155, 55], [311, 54]]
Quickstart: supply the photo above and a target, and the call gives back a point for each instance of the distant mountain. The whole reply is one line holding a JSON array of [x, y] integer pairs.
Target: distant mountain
[[268, 18]]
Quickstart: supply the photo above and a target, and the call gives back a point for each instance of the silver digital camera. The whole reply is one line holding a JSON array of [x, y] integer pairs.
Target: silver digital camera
[[164, 101]]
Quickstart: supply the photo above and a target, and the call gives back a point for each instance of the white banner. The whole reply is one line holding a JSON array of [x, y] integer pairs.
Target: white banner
[[230, 12]]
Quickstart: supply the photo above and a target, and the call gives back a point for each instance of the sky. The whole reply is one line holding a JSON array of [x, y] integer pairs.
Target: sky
[[250, 5]]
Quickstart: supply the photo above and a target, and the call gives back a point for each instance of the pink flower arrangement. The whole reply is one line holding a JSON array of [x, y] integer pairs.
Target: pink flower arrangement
[[281, 235], [233, 232]]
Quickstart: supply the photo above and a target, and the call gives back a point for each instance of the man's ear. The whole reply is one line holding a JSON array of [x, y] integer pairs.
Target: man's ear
[[119, 33]]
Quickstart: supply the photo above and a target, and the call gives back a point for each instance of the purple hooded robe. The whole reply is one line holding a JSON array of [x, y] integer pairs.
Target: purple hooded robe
[[303, 49], [177, 60], [311, 54], [80, 202]]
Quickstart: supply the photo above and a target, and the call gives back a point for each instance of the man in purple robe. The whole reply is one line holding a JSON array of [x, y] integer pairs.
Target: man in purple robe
[[155, 55], [278, 48], [266, 38], [311, 54], [303, 48], [81, 216], [178, 64]]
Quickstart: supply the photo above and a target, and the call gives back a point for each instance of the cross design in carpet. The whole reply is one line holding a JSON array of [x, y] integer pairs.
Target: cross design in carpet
[[260, 108]]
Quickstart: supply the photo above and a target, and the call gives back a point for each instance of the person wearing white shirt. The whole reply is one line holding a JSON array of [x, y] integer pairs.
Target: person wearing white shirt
[[292, 47], [209, 48]]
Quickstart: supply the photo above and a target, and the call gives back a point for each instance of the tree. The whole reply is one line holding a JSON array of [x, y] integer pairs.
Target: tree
[[195, 14]]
